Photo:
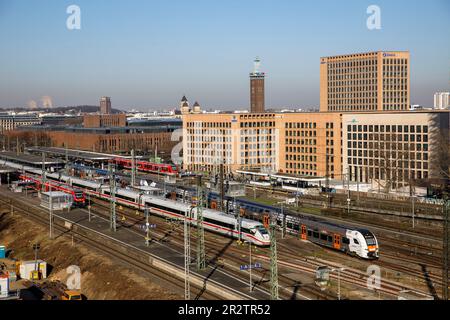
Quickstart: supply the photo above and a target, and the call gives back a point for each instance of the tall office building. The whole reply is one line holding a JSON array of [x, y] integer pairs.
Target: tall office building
[[257, 88], [105, 105], [374, 81], [441, 100]]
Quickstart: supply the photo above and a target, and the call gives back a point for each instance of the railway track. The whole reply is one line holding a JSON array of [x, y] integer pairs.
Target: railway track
[[111, 251], [229, 260], [359, 279]]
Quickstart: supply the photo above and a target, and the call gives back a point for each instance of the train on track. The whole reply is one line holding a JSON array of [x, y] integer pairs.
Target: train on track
[[150, 167], [353, 241], [213, 220], [78, 195]]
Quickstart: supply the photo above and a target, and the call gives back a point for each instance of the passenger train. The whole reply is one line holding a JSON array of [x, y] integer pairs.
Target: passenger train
[[357, 242], [215, 221], [77, 194], [145, 166], [353, 241]]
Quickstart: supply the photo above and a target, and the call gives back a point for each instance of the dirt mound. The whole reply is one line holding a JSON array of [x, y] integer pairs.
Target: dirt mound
[[101, 277]]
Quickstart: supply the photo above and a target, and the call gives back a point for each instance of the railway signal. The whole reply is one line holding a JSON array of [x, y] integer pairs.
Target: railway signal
[[201, 258], [112, 189], [445, 240], [273, 260]]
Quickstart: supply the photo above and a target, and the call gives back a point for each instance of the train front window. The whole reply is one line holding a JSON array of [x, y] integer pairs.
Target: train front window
[[370, 241], [262, 230]]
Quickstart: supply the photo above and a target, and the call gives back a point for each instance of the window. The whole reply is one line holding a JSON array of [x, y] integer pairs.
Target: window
[[355, 241]]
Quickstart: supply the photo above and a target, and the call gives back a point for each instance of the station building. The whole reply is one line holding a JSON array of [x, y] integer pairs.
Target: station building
[[392, 147]]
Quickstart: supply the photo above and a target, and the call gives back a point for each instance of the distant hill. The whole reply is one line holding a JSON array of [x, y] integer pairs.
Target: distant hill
[[67, 110]]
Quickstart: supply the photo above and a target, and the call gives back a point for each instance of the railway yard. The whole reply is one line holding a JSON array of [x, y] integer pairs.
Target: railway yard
[[152, 247]]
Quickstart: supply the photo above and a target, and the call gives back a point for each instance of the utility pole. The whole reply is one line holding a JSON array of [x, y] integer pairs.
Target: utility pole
[[112, 194], [89, 206], [283, 222], [51, 212], [446, 208], [67, 162], [273, 260], [147, 224], [187, 255], [133, 169], [43, 172], [222, 193], [239, 220], [201, 258]]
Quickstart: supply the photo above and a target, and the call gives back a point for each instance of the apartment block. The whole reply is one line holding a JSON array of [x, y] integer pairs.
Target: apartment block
[[374, 81]]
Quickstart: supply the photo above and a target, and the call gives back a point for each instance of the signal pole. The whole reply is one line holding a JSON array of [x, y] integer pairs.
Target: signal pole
[[51, 213], [273, 261], [147, 224], [43, 172], [239, 219], [222, 191], [112, 194], [445, 248], [66, 167], [201, 258], [133, 169], [187, 255]]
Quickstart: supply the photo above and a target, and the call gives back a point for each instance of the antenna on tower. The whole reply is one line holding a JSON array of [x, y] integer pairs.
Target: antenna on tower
[[256, 65]]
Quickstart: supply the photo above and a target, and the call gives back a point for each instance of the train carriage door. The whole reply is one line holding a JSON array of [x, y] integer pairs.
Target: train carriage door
[[337, 241], [303, 234], [266, 221]]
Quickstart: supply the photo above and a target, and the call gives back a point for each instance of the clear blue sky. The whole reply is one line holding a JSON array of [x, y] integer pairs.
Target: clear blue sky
[[146, 53]]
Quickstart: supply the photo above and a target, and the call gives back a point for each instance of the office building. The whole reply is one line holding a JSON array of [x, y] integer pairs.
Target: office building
[[374, 81], [441, 100]]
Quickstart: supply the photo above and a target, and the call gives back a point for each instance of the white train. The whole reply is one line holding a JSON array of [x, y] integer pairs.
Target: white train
[[353, 241], [215, 221]]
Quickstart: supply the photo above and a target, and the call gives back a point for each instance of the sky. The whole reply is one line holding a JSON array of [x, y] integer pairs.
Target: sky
[[147, 54]]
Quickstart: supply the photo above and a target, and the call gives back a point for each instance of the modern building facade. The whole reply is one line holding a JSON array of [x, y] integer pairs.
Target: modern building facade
[[441, 100], [390, 149], [105, 105], [237, 140], [11, 122], [257, 94], [374, 81], [393, 149]]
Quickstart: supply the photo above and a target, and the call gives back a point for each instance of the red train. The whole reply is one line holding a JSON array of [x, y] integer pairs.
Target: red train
[[145, 166], [79, 198]]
